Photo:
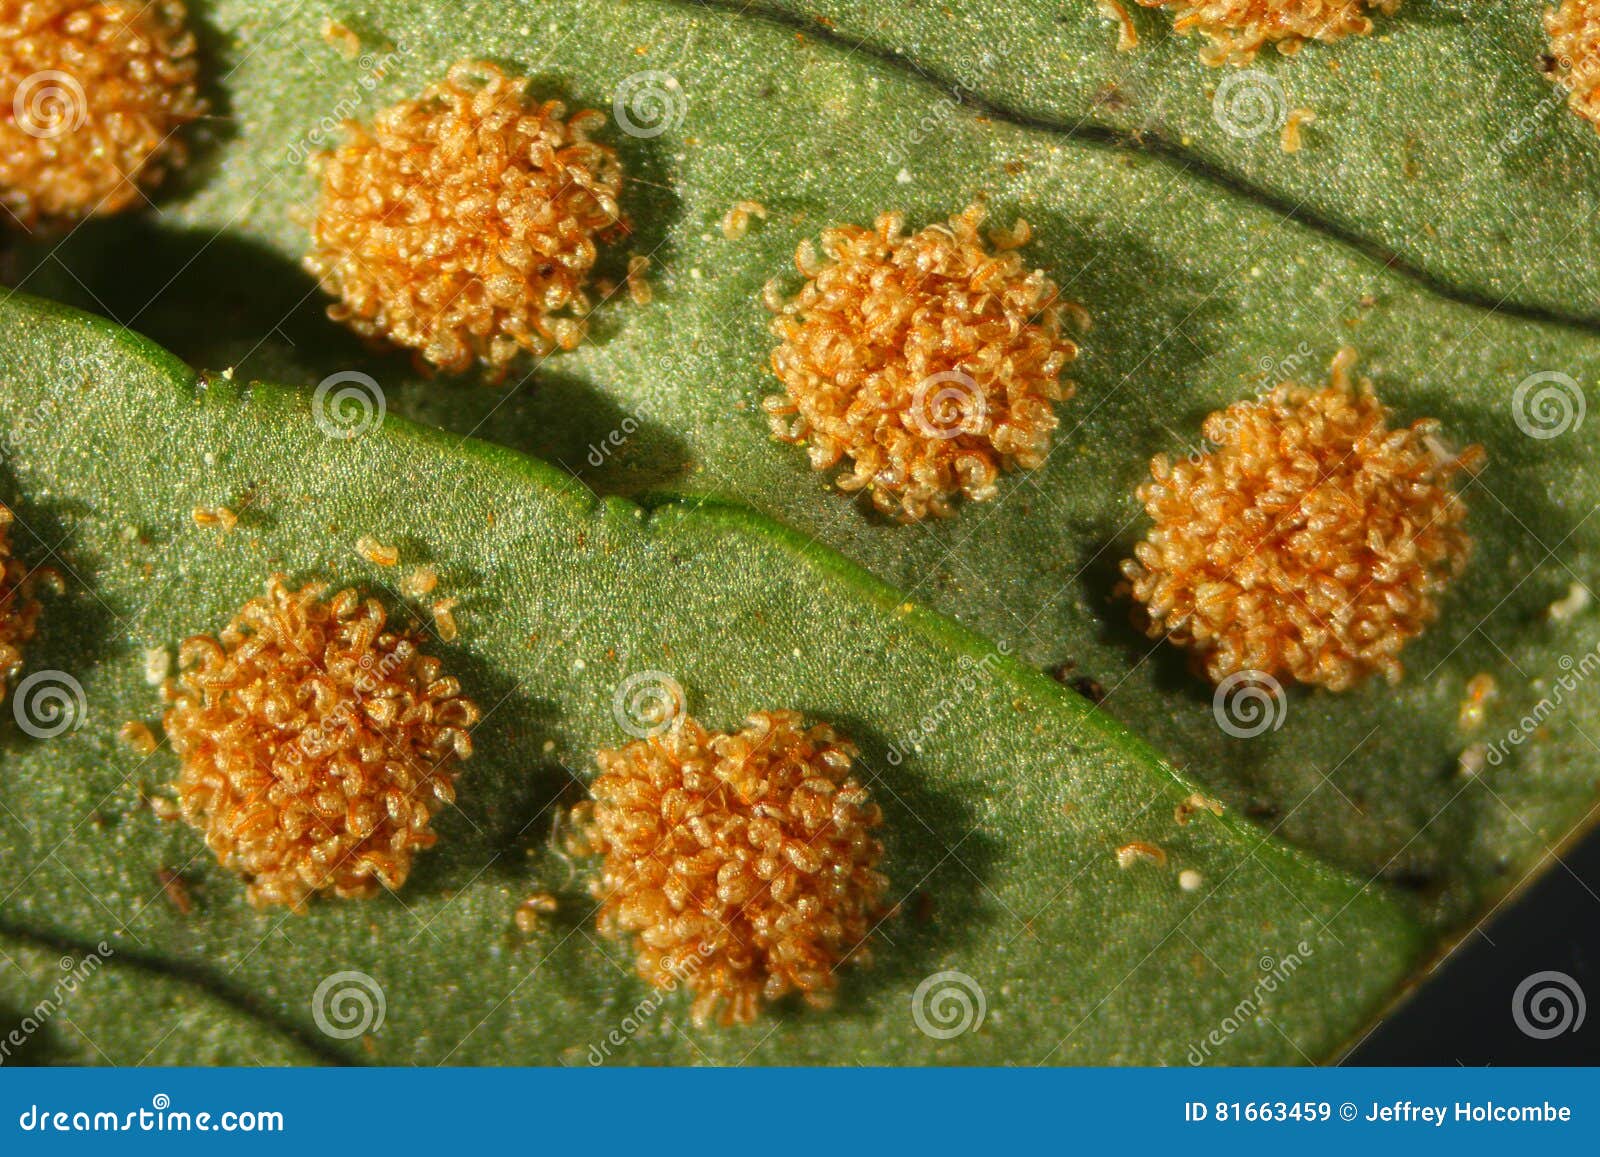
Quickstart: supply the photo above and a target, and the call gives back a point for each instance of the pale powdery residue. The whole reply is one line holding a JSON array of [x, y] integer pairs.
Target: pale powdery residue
[[1290, 141], [375, 552], [1571, 605], [736, 221], [157, 665], [345, 41]]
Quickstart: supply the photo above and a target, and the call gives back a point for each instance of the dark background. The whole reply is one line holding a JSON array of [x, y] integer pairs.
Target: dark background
[[1463, 1011]]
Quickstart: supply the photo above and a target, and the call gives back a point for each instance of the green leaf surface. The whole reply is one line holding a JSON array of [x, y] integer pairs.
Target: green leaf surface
[[1211, 268], [1003, 816], [63, 1005], [1439, 141]]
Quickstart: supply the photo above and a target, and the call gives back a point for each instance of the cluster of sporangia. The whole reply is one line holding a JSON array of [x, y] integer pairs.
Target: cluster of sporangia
[[1237, 29], [93, 96], [463, 224], [318, 742], [743, 864], [1574, 61], [1312, 541], [931, 360]]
